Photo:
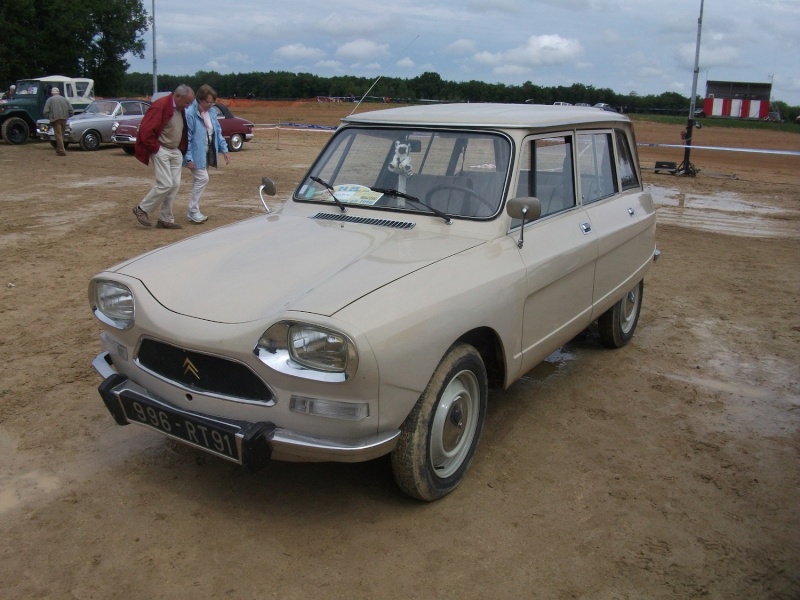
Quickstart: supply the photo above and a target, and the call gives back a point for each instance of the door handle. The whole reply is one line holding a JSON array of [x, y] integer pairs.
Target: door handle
[[586, 227]]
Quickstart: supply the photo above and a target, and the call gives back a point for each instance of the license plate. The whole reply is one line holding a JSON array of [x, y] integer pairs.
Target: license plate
[[216, 438]]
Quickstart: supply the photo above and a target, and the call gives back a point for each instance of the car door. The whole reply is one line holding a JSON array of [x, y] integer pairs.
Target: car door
[[559, 252], [611, 196]]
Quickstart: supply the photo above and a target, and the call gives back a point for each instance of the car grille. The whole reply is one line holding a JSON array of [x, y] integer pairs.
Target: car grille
[[203, 372], [365, 220]]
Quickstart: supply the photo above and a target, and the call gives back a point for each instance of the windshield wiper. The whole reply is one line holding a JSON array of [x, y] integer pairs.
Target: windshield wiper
[[405, 196], [328, 187]]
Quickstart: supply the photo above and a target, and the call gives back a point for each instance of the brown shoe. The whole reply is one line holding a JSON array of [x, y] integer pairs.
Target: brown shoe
[[167, 225], [141, 216], [61, 153]]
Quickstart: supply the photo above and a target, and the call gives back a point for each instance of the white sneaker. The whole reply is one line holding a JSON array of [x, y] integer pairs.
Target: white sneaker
[[198, 218]]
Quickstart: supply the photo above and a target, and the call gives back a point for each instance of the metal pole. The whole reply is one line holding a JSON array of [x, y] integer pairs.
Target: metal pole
[[155, 67], [686, 167]]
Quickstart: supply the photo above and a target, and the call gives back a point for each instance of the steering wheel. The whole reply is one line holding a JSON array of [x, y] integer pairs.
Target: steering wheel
[[465, 190]]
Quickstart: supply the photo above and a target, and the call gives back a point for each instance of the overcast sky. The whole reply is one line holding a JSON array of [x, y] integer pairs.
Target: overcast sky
[[641, 46]]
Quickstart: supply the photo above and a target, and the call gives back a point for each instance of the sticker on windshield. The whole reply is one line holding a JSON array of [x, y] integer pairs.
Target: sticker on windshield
[[356, 194]]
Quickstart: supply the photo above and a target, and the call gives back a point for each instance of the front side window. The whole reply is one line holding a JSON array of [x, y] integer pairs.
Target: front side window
[[102, 107], [546, 172], [460, 173], [598, 178], [551, 165]]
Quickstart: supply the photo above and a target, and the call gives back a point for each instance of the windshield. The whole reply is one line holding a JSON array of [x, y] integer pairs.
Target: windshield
[[459, 173], [27, 88], [101, 107]]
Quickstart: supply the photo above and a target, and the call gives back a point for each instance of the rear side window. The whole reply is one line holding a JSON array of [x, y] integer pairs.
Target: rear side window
[[627, 170], [598, 177]]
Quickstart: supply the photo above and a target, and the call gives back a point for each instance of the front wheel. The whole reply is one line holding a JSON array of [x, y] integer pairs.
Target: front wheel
[[16, 131], [441, 433], [129, 149], [90, 140], [236, 143], [618, 323]]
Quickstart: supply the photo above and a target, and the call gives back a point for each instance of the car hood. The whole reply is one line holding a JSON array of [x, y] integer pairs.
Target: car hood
[[259, 267]]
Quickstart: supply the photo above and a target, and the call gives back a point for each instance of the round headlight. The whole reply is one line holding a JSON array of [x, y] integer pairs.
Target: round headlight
[[308, 351], [318, 349], [113, 303]]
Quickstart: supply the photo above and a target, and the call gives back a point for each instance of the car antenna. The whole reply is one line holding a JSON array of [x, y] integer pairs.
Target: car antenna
[[355, 108]]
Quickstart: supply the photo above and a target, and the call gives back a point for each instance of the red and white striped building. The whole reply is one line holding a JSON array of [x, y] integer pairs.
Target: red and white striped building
[[737, 100]]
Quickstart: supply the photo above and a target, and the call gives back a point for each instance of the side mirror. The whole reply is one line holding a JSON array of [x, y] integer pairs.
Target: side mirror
[[526, 209], [267, 187]]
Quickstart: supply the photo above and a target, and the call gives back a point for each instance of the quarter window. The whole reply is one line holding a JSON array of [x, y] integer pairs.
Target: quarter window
[[627, 172]]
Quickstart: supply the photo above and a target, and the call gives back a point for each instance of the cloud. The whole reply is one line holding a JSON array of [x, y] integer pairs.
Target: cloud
[[505, 6], [405, 63], [712, 55], [333, 65], [298, 52], [541, 50], [362, 49], [461, 46]]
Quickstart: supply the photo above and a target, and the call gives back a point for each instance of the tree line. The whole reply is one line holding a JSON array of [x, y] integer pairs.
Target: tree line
[[284, 85]]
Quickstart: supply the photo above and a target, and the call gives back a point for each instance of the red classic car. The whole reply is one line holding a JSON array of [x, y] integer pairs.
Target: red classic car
[[236, 130]]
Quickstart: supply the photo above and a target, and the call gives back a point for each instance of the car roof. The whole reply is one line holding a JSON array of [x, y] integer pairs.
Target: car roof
[[507, 116]]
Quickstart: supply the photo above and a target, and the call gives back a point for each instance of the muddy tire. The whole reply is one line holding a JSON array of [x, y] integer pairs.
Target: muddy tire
[[16, 131], [442, 431], [617, 324]]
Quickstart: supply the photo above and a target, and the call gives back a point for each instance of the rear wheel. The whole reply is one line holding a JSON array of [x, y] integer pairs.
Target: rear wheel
[[236, 143], [90, 140], [441, 433], [618, 323], [16, 131]]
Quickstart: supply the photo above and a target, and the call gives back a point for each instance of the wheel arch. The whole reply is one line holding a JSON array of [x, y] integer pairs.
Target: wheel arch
[[20, 114], [488, 344]]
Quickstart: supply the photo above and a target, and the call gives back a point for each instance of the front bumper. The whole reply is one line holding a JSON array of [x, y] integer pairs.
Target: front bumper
[[248, 444], [123, 140]]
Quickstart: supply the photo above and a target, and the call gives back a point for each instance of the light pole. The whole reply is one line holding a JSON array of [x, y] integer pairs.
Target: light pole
[[155, 67], [686, 167]]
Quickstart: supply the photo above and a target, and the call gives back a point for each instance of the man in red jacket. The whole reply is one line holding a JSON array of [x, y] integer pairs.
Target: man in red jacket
[[163, 138]]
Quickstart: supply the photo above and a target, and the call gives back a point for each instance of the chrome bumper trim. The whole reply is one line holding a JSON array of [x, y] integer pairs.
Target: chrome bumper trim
[[286, 445]]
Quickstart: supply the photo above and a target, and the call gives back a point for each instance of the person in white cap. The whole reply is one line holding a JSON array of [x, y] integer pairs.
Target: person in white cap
[[58, 110]]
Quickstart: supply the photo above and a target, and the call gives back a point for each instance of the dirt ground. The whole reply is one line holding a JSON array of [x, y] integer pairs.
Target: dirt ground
[[667, 469]]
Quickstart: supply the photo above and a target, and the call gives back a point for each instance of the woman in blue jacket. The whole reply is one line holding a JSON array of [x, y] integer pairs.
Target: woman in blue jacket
[[205, 144]]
